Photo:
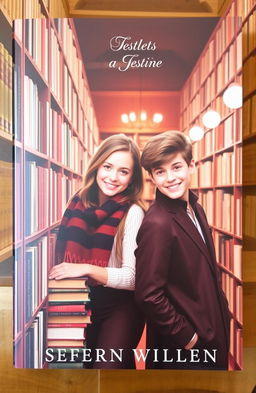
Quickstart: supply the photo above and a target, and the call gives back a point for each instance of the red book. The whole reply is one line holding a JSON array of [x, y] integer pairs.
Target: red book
[[67, 325], [67, 308]]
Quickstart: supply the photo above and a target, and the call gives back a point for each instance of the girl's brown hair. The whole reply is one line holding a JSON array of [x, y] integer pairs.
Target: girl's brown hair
[[89, 191]]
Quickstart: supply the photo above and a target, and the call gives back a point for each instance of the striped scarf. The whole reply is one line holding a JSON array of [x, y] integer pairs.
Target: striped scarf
[[86, 235]]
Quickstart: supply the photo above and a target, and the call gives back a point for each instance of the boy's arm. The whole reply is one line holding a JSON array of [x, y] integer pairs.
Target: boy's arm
[[153, 258]]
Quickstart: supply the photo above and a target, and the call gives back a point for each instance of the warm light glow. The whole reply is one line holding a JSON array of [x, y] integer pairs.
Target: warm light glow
[[132, 116], [125, 118], [196, 133], [211, 119], [140, 120], [143, 116], [233, 96], [157, 118]]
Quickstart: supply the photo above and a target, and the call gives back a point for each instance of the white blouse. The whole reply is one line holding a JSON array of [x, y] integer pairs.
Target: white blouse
[[121, 274]]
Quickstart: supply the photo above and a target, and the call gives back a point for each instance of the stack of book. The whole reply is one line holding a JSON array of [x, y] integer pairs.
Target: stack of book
[[68, 316]]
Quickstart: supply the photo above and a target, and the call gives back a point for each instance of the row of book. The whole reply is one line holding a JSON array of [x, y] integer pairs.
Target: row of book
[[13, 8], [6, 205], [35, 342], [216, 213], [236, 342], [36, 258], [73, 61], [47, 133], [207, 201], [206, 173], [244, 7], [45, 129], [222, 51], [193, 110], [228, 253], [224, 136], [229, 284], [35, 110], [68, 316], [75, 87], [33, 9], [39, 213], [40, 183], [61, 189], [56, 66], [224, 202], [5, 91], [37, 42], [36, 200], [224, 170], [70, 98], [227, 30], [231, 61], [70, 51], [226, 131], [43, 44], [72, 152]]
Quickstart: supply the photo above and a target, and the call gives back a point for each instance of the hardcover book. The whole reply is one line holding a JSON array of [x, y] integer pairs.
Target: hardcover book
[[172, 299]]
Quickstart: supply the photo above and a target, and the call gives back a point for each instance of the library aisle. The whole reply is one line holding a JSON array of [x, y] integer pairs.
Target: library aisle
[[64, 96]]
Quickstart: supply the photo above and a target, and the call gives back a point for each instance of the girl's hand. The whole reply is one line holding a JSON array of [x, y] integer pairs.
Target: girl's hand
[[68, 270]]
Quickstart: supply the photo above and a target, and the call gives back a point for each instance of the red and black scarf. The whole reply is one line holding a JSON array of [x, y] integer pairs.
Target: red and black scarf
[[86, 235]]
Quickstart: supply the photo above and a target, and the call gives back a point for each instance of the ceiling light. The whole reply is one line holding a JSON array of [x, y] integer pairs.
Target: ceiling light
[[125, 118], [196, 133], [233, 96], [211, 119], [157, 118], [132, 116], [143, 116]]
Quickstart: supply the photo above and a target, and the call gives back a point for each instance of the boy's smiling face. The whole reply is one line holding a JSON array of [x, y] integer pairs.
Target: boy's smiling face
[[173, 177]]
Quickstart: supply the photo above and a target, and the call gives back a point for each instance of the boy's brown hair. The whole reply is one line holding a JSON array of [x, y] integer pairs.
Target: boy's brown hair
[[160, 147]]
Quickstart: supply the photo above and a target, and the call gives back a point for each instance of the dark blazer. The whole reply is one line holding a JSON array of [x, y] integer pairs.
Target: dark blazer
[[178, 283]]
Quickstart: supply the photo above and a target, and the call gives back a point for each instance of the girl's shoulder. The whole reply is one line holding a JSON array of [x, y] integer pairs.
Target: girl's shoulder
[[136, 210], [135, 215]]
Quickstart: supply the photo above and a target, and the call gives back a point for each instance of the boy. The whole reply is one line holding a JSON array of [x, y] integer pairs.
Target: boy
[[177, 277]]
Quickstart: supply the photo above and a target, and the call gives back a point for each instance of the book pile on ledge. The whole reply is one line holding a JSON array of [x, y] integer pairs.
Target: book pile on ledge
[[68, 316]]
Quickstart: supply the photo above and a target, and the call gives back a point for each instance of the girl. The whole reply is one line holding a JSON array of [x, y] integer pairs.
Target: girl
[[97, 239]]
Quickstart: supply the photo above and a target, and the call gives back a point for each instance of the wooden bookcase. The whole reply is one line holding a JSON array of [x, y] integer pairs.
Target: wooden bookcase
[[35, 8], [55, 134], [10, 10], [218, 156], [248, 11], [6, 144]]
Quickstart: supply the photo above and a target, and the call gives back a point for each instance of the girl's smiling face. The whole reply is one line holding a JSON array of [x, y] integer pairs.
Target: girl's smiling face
[[114, 174]]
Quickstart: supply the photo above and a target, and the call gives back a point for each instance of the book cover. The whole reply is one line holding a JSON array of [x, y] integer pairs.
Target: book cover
[[79, 82]]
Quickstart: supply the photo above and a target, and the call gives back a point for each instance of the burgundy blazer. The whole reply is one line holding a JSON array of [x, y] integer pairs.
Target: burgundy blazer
[[177, 279]]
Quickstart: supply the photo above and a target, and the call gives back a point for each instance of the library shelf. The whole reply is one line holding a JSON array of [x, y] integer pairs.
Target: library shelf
[[218, 157], [47, 173]]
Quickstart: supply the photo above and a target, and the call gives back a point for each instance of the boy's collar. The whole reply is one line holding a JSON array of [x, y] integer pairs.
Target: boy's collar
[[176, 202]]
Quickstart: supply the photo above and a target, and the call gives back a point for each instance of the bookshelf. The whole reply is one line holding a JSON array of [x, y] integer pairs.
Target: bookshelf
[[248, 11], [55, 134], [218, 155], [10, 10], [34, 8], [6, 166]]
